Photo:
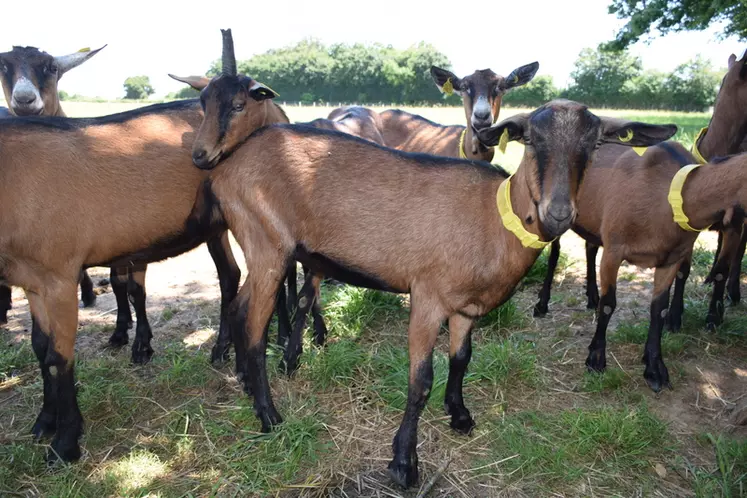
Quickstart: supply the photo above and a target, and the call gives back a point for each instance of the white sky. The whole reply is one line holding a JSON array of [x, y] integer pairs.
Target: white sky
[[156, 37]]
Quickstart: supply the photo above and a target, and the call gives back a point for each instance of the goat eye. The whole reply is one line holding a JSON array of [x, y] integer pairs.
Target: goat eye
[[238, 107]]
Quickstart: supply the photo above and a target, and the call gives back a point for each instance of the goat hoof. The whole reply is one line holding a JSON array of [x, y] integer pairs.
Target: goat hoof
[[269, 417], [141, 354], [674, 321], [540, 310], [45, 426], [63, 451], [289, 365], [404, 474], [461, 421], [713, 320], [656, 374], [734, 296], [219, 355], [88, 299], [593, 302], [119, 338], [596, 361]]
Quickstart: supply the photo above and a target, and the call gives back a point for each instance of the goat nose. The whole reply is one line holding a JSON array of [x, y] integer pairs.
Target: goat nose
[[561, 213], [24, 98], [482, 114], [199, 154]]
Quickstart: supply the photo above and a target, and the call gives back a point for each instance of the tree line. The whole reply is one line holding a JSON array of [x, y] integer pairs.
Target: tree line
[[311, 72]]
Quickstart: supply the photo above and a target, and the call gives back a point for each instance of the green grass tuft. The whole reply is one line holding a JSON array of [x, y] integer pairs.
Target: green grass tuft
[[336, 363], [505, 362], [727, 476], [349, 310], [14, 357], [506, 317], [610, 380]]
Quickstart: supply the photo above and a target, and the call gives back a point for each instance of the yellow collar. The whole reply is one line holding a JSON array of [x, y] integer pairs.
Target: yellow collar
[[676, 201], [694, 149], [511, 221], [462, 155]]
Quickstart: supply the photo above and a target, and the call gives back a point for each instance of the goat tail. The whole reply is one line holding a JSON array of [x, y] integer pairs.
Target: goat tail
[[206, 216]]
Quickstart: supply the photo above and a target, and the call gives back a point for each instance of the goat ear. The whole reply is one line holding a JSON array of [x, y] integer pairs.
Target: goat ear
[[261, 92], [446, 81], [521, 75], [66, 62], [196, 82], [634, 133], [514, 127], [732, 60]]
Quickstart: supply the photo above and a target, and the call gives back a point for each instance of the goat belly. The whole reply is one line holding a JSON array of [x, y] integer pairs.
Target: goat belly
[[347, 273]]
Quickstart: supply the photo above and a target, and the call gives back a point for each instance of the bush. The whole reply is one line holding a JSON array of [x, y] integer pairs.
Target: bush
[[138, 87]]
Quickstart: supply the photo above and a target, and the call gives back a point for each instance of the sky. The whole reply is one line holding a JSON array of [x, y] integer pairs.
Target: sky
[[155, 38]]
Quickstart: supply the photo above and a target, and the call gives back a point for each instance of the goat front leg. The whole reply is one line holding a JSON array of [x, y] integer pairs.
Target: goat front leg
[[460, 353], [540, 309], [597, 359], [320, 328], [55, 316], [229, 275], [677, 308], [656, 373], [425, 322], [6, 303], [258, 297], [141, 347], [592, 291], [294, 348], [118, 277]]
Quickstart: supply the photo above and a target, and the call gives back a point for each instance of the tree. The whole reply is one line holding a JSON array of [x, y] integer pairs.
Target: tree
[[600, 77], [185, 93], [535, 93], [676, 15], [138, 87]]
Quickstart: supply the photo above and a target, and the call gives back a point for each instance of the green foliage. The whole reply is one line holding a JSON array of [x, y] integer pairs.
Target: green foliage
[[505, 362], [667, 16], [535, 93], [616, 79], [138, 88], [63, 95], [728, 475], [313, 72], [185, 93]]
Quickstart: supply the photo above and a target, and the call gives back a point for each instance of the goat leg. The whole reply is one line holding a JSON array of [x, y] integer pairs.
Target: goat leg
[[87, 296], [677, 308], [320, 328], [656, 373], [735, 271], [141, 348], [5, 303], [460, 353], [294, 348], [118, 278], [719, 272], [592, 291], [540, 309], [597, 359], [229, 275]]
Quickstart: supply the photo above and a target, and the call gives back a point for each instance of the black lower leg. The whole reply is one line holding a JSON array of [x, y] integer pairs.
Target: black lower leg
[[118, 278], [228, 276], [461, 420], [257, 371], [592, 291], [656, 373], [293, 350], [141, 347], [284, 325], [320, 328], [86, 290], [404, 466], [5, 303], [237, 325], [292, 280], [674, 317], [597, 359], [715, 315], [69, 420], [46, 422], [540, 309]]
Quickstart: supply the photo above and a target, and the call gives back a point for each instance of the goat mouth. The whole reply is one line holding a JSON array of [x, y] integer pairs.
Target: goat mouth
[[21, 110]]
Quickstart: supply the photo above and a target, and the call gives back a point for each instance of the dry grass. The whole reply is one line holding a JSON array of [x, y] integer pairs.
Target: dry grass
[[180, 427]]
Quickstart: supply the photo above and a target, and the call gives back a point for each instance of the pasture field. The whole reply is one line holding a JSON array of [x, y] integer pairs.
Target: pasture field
[[181, 427]]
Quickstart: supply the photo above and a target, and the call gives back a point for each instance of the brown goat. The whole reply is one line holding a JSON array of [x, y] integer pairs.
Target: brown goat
[[725, 134], [481, 94], [29, 78], [384, 219], [136, 166]]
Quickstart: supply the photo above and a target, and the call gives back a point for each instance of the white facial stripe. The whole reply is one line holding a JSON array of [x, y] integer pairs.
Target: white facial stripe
[[482, 107]]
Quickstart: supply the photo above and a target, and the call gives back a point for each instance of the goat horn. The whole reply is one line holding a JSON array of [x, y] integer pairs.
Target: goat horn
[[229, 58]]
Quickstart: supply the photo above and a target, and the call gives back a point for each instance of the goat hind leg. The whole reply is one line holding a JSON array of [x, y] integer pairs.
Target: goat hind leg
[[592, 291], [5, 303], [719, 272], [735, 271], [87, 296], [118, 278], [656, 373], [677, 308], [320, 328], [229, 275], [141, 347], [460, 353]]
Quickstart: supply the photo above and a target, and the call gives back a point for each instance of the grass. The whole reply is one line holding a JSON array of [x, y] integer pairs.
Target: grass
[[182, 427]]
